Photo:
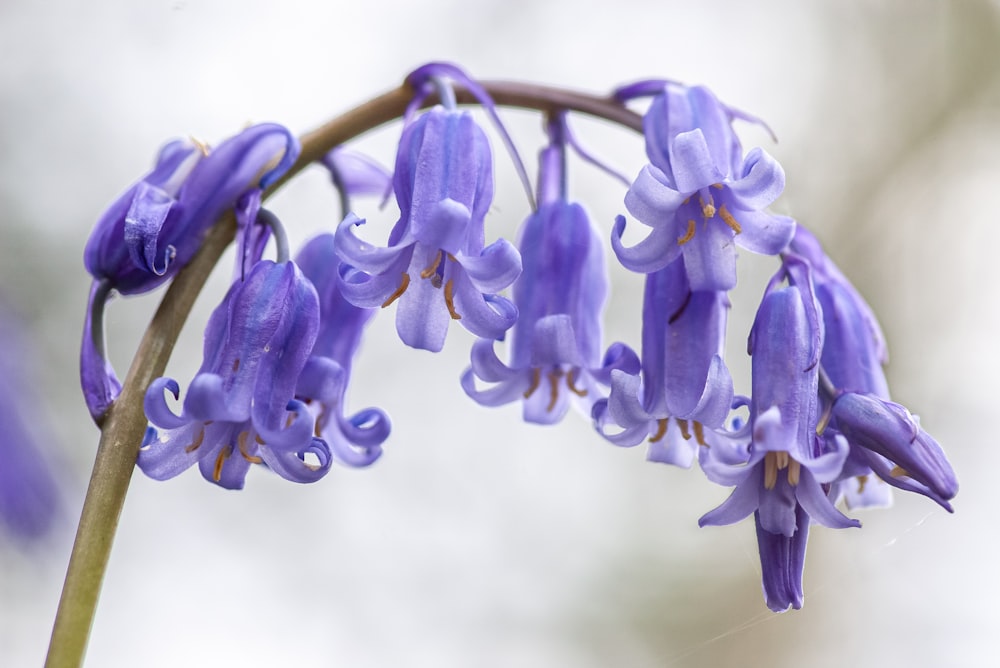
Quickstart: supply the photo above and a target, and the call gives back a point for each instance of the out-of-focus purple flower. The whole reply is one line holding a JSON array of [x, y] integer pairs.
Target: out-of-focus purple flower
[[354, 173], [240, 407], [29, 495], [785, 465], [560, 295], [697, 194], [158, 224], [683, 375], [355, 440], [436, 265]]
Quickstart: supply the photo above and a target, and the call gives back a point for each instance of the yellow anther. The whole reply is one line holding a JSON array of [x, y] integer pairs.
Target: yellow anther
[[794, 470], [433, 266], [403, 283], [862, 481], [770, 470], [729, 220], [258, 439], [241, 440], [536, 380], [661, 430], [290, 419], [717, 186], [683, 424], [196, 443], [554, 377], [688, 236], [224, 454], [707, 210], [202, 146], [782, 458], [449, 299], [898, 472], [571, 384]]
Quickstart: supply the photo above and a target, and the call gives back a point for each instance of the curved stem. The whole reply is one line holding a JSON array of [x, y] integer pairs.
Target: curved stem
[[125, 422]]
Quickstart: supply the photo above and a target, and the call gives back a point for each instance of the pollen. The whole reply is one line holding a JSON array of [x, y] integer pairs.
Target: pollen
[[699, 433], [241, 441], [683, 424], [433, 266], [196, 443], [688, 236], [707, 209], [403, 283], [729, 220], [778, 460], [449, 299], [224, 454], [899, 472], [536, 380], [661, 430], [554, 377], [571, 384]]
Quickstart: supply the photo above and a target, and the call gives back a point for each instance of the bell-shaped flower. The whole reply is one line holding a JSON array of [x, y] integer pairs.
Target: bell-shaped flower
[[898, 449], [354, 440], [240, 409], [158, 224], [683, 374], [436, 265], [560, 295], [785, 466], [696, 194]]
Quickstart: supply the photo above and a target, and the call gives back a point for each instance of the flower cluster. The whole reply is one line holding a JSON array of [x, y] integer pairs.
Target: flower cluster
[[820, 428]]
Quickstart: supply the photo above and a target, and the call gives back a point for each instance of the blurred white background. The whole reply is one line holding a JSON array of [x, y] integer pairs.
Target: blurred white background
[[478, 540]]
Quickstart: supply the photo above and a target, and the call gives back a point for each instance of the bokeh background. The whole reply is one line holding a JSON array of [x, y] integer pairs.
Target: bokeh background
[[478, 540]]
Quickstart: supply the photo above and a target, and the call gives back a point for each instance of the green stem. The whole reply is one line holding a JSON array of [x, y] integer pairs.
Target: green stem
[[124, 425]]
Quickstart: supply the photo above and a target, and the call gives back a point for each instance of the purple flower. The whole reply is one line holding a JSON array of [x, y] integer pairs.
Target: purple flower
[[240, 407], [354, 440], [779, 466], [29, 496], [683, 375], [560, 295], [158, 224], [698, 196], [436, 264]]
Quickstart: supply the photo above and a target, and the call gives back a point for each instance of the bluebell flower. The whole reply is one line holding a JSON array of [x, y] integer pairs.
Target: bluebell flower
[[779, 466], [240, 408], [355, 440], [885, 438], [683, 374], [158, 224], [560, 295], [436, 265], [698, 196], [29, 495]]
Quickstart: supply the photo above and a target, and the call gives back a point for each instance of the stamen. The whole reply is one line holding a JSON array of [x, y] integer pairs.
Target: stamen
[[321, 420], [554, 377], [707, 209], [781, 458], [824, 420], [770, 470], [688, 236], [196, 443], [236, 365], [224, 454], [449, 299], [683, 424], [661, 430], [290, 419], [862, 481], [699, 433], [729, 220], [536, 380], [403, 283], [794, 470], [202, 146], [258, 439], [717, 186], [241, 440], [571, 384], [433, 266], [898, 472]]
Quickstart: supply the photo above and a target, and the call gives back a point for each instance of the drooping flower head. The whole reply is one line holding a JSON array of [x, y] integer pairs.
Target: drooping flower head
[[697, 194], [683, 374], [355, 440], [240, 408], [778, 464], [436, 266], [560, 294], [158, 224]]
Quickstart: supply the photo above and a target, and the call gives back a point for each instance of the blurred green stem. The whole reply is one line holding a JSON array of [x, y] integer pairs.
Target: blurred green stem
[[125, 422]]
